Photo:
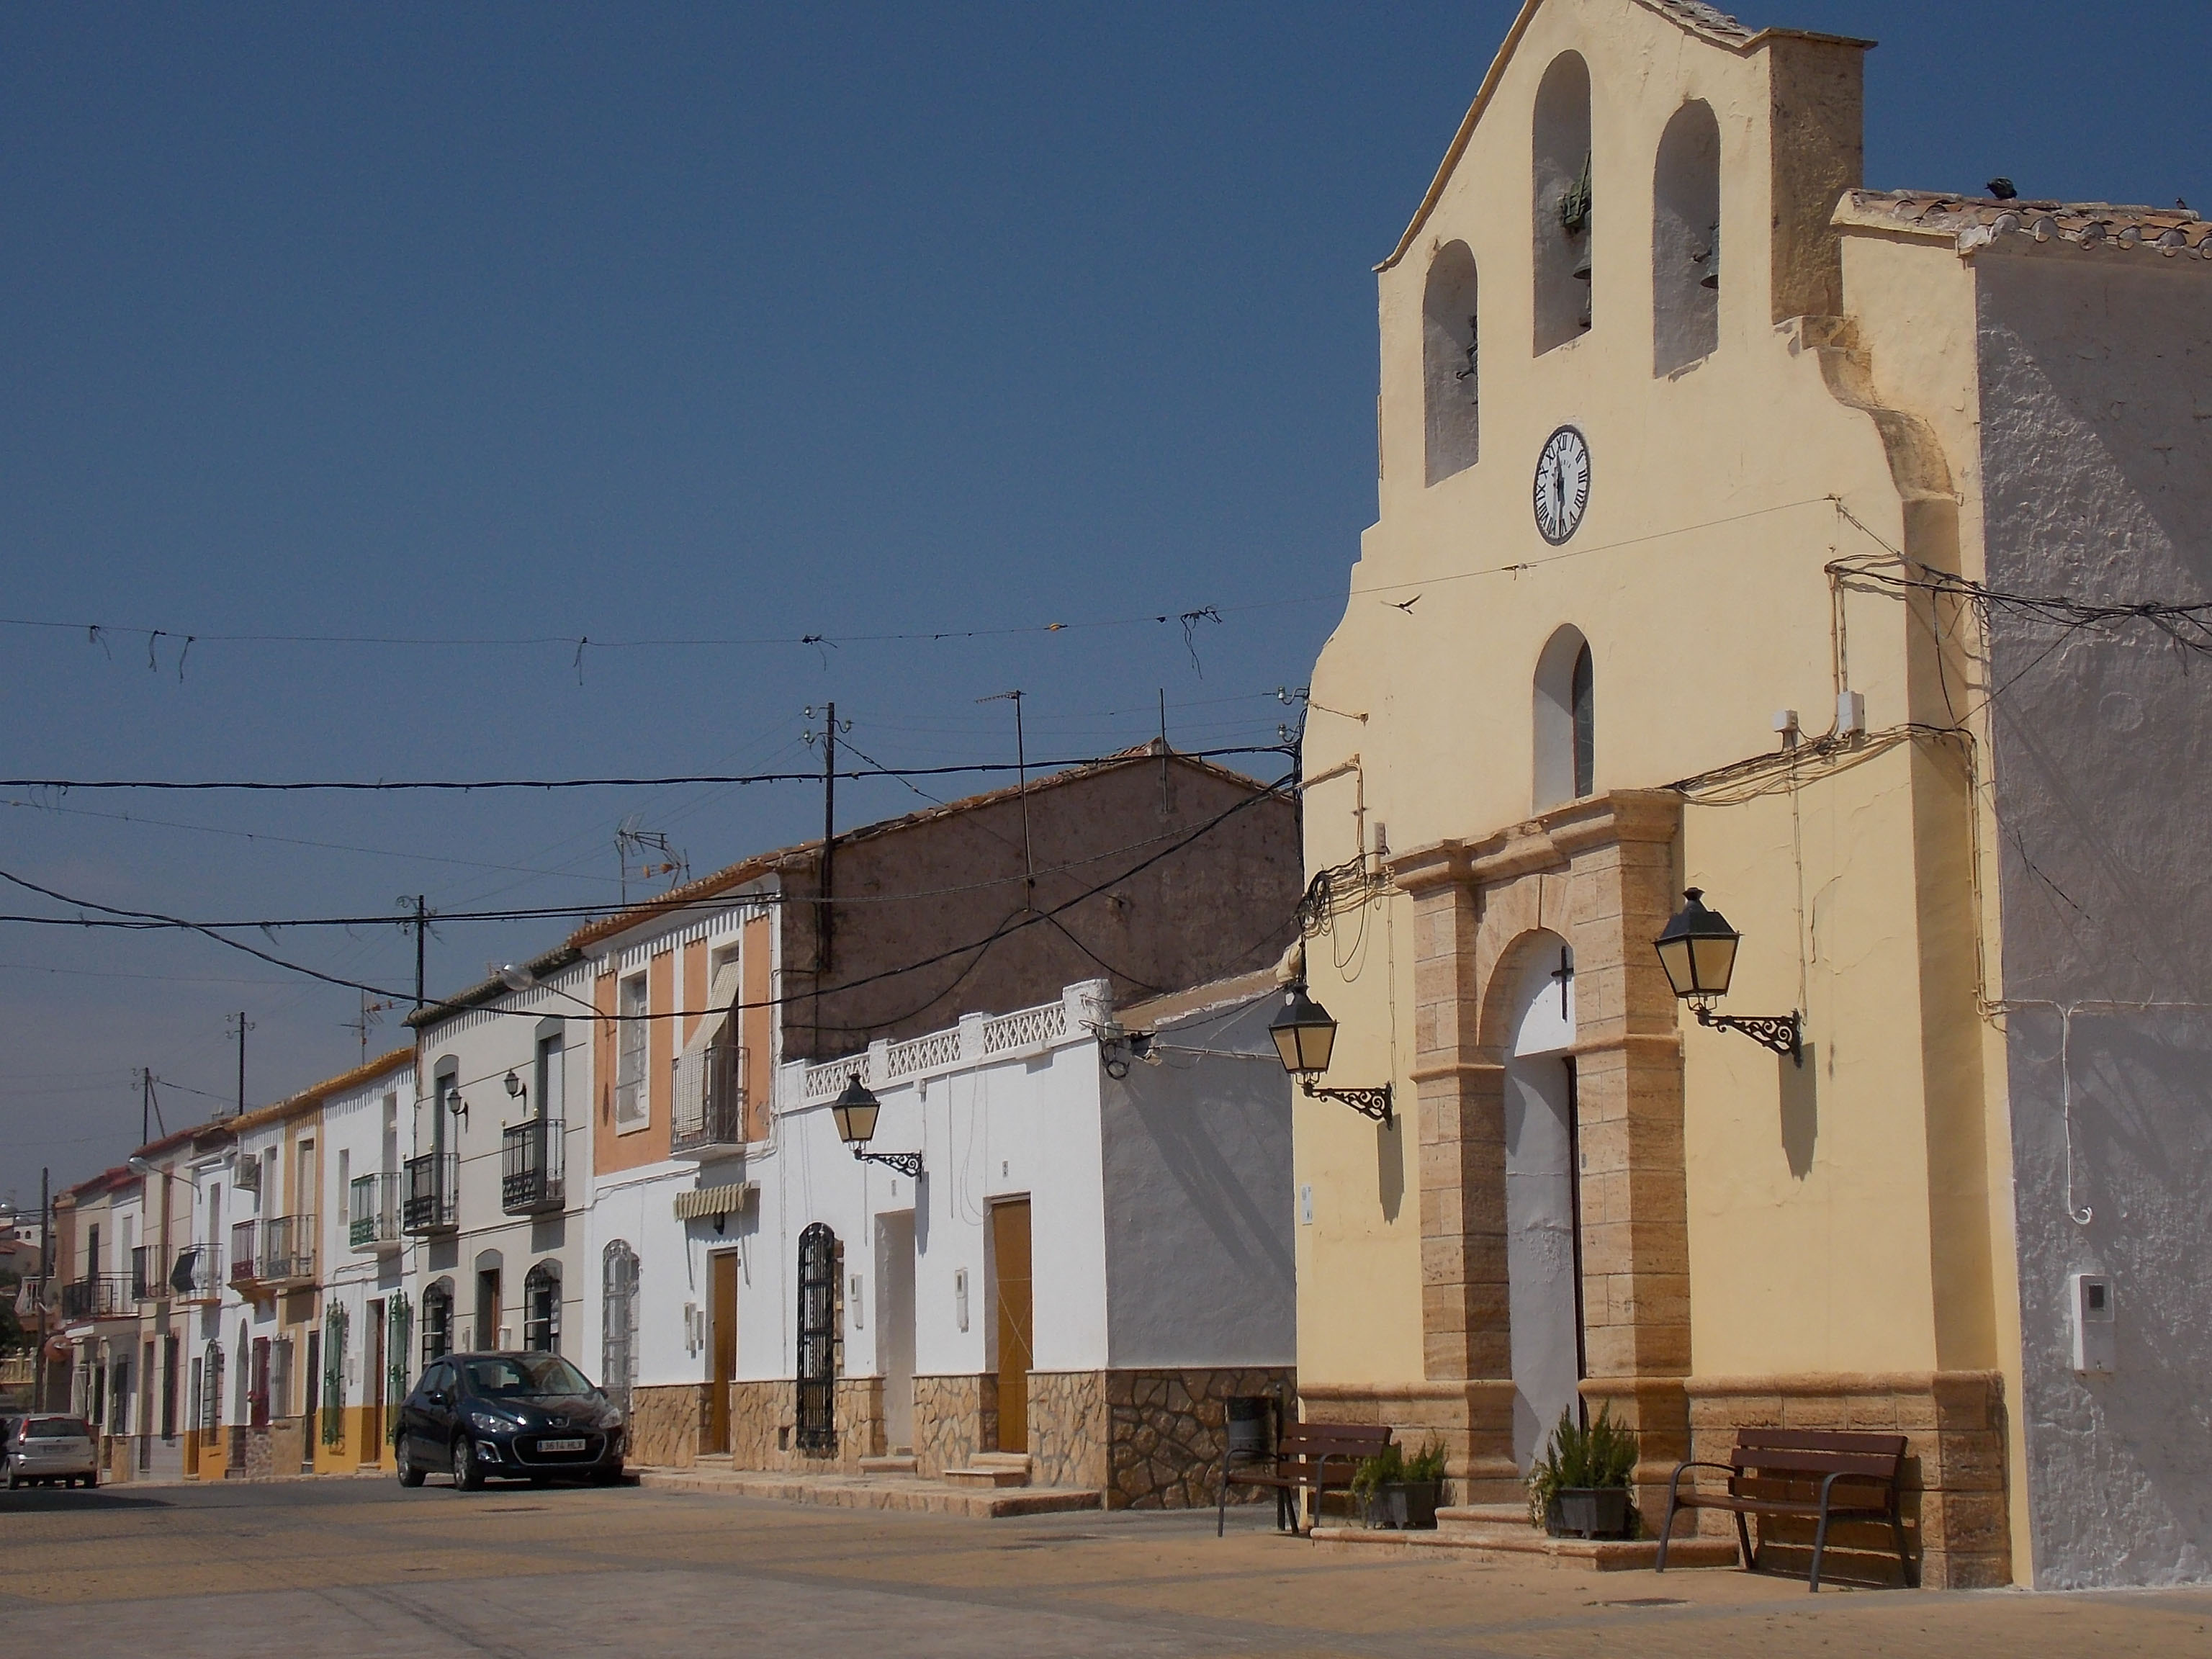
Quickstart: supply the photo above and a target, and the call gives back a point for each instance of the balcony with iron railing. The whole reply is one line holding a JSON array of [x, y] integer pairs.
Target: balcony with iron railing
[[147, 1283], [432, 1200], [197, 1276], [245, 1255], [99, 1296], [709, 1117], [373, 1213], [288, 1250], [532, 1168]]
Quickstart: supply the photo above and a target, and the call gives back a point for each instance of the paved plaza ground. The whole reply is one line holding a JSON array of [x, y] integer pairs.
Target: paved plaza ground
[[364, 1569]]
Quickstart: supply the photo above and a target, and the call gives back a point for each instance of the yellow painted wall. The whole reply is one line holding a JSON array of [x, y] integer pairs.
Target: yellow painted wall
[[1698, 577]]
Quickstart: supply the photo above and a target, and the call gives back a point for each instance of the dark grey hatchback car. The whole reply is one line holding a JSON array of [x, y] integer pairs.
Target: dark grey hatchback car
[[520, 1416]]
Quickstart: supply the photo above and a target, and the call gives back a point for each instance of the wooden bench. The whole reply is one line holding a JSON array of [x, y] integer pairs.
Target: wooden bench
[[1806, 1474], [1308, 1457]]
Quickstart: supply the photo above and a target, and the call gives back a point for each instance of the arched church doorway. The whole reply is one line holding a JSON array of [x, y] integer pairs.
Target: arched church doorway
[[1543, 1234]]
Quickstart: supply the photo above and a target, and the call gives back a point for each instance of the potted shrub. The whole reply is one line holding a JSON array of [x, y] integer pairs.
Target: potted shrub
[[1400, 1492], [1579, 1487]]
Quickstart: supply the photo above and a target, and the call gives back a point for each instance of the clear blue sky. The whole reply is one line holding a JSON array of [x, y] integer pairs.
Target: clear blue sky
[[740, 322]]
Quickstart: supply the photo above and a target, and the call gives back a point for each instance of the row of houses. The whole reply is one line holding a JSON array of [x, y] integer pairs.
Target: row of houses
[[1804, 576], [625, 1151]]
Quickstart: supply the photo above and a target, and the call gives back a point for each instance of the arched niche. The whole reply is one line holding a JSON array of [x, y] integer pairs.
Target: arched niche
[[1565, 735], [1561, 200], [1450, 386], [1686, 241]]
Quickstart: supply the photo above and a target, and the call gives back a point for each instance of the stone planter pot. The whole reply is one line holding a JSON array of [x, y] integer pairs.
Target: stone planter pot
[[1405, 1505], [1589, 1512]]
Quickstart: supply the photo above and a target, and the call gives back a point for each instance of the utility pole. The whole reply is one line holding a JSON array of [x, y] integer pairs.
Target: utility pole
[[829, 832], [420, 912], [1022, 788], [45, 1275], [244, 1026], [145, 1103]]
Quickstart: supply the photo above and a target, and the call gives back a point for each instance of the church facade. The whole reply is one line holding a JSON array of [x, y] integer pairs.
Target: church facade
[[1715, 490]]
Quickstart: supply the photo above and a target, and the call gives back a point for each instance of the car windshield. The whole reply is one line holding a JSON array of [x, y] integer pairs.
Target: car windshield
[[523, 1375], [56, 1428]]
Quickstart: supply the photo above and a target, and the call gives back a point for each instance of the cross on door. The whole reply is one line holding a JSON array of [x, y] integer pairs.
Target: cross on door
[[1565, 973]]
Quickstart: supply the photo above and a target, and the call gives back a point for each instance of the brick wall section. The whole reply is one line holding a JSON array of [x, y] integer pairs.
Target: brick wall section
[[1955, 1501]]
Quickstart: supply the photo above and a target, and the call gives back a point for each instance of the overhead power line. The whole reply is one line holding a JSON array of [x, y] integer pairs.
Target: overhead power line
[[110, 914], [382, 786]]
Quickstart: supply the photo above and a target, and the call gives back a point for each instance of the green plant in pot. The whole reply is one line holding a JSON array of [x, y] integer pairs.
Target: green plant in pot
[[1398, 1492], [1579, 1487]]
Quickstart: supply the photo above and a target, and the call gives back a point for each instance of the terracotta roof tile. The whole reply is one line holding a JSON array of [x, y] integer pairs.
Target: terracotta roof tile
[[1976, 220]]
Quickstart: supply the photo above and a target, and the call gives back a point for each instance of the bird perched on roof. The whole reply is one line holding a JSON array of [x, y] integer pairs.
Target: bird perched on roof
[[2002, 189]]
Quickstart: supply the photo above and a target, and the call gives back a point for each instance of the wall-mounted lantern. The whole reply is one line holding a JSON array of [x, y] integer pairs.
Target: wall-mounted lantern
[[856, 1110], [1305, 1036], [1697, 951]]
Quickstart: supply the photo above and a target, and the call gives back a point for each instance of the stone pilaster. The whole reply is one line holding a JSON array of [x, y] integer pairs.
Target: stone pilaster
[[1459, 1101]]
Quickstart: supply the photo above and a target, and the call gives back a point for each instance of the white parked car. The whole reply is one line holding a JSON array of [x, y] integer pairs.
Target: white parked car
[[47, 1447]]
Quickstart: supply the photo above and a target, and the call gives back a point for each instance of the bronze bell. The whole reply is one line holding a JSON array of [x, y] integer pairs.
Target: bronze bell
[[1580, 273], [1712, 259]]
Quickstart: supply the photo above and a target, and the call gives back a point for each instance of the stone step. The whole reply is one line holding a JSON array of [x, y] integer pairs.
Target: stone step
[[1493, 1541], [987, 1477], [1000, 1460], [1483, 1520], [896, 1463], [870, 1492]]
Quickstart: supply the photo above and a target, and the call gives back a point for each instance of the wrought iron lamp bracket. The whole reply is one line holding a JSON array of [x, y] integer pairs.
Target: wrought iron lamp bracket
[[906, 1164], [1368, 1103], [1783, 1033]]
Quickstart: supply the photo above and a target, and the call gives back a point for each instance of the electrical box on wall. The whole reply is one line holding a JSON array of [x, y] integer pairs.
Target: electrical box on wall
[[2095, 1348]]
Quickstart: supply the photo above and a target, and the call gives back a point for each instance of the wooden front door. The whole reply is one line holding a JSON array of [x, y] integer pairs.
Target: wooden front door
[[722, 1331], [1010, 1256]]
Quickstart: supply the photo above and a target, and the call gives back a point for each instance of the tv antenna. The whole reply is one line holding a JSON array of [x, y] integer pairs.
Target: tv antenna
[[635, 847], [372, 1015]]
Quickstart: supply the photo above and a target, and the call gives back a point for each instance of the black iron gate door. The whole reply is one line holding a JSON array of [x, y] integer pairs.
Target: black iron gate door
[[818, 1338]]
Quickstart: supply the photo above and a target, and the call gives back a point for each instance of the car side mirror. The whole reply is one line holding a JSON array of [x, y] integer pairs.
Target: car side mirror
[[432, 1396]]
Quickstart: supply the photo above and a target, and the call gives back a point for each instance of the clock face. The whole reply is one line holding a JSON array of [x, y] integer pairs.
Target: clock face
[[1563, 484]]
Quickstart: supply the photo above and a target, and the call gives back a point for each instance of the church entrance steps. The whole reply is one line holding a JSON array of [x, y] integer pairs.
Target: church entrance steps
[[901, 1491], [1483, 1533]]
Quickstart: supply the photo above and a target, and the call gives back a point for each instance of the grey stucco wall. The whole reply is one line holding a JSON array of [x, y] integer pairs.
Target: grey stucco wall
[[2097, 456], [1199, 1261]]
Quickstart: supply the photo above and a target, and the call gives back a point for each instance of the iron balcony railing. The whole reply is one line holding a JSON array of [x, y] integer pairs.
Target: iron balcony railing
[[531, 1167], [245, 1258], [147, 1283], [373, 1210], [194, 1278], [432, 1204], [708, 1118], [99, 1296], [288, 1249]]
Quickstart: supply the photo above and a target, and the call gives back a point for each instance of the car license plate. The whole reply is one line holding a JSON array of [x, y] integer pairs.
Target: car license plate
[[560, 1445]]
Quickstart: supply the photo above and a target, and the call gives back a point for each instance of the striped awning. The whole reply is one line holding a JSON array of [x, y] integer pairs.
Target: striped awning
[[703, 1203]]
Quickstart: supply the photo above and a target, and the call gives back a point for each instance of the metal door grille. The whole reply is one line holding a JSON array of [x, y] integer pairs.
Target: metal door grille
[[818, 1338]]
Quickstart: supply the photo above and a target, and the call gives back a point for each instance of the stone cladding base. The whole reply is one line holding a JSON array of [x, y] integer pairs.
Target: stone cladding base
[[1148, 1439], [667, 1425], [764, 1426]]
